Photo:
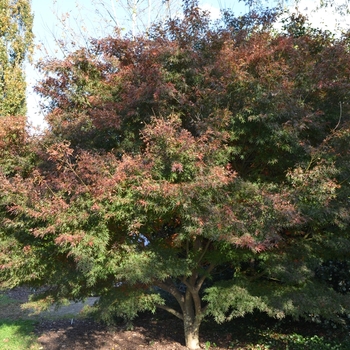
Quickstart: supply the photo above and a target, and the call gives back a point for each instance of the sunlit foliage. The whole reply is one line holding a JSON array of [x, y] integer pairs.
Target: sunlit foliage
[[205, 161]]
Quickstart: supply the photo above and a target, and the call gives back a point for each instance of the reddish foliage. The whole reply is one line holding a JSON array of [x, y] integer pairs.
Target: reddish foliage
[[191, 151]]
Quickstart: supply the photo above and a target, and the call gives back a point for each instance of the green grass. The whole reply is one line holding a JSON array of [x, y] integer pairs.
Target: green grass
[[17, 335]]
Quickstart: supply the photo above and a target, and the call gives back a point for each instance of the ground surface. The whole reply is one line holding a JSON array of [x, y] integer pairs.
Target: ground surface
[[65, 329], [69, 329], [86, 335]]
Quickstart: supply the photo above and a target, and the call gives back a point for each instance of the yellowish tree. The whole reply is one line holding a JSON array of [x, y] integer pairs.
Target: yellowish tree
[[16, 44]]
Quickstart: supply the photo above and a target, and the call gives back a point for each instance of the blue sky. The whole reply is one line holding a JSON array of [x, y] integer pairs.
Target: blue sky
[[76, 20]]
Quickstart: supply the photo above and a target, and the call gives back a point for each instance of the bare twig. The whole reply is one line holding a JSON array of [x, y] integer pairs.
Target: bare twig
[[340, 115]]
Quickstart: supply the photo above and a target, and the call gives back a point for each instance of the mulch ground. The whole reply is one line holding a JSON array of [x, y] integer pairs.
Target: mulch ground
[[149, 332], [88, 335], [158, 332]]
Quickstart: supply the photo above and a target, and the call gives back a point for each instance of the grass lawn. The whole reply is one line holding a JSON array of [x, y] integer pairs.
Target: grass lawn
[[17, 335]]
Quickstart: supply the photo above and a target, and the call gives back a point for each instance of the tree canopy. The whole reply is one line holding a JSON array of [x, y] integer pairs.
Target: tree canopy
[[205, 162], [16, 43]]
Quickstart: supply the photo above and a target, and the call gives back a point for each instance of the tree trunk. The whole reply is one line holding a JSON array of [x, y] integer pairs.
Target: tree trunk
[[190, 315], [192, 312], [191, 329], [191, 320]]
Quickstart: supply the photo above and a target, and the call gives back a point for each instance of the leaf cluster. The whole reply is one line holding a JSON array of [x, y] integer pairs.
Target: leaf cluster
[[173, 158]]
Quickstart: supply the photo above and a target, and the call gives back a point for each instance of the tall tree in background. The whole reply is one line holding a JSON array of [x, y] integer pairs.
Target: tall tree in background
[[200, 169], [16, 40]]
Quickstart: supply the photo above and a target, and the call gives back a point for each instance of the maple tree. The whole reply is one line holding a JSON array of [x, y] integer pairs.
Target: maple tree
[[201, 169], [16, 156]]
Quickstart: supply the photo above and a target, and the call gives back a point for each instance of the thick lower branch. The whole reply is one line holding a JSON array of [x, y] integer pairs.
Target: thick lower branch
[[170, 288], [171, 310], [197, 303]]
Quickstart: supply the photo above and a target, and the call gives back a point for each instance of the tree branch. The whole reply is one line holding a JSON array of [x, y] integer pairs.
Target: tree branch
[[204, 251], [197, 303], [203, 278], [169, 287], [340, 116], [171, 310]]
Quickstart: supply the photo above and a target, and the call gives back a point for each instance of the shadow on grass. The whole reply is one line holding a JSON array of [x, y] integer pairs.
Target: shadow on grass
[[17, 335]]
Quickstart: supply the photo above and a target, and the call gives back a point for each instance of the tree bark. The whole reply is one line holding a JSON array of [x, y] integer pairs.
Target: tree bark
[[191, 335], [191, 318], [191, 314], [190, 302]]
